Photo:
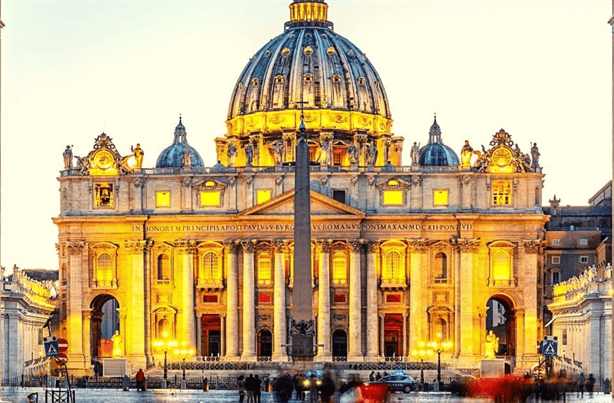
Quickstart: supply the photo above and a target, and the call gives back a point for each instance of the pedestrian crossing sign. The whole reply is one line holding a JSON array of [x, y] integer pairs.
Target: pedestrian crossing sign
[[52, 348], [549, 348]]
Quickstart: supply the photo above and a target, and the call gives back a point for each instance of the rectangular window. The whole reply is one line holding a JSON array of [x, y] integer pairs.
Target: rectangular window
[[583, 259], [210, 198], [556, 242], [501, 193], [103, 195], [555, 277], [556, 260], [339, 195], [264, 298], [440, 197], [339, 298], [393, 197], [163, 199], [564, 337], [583, 242], [210, 299], [263, 195], [393, 298]]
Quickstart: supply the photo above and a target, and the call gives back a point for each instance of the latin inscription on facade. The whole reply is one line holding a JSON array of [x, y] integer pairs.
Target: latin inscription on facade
[[314, 227]]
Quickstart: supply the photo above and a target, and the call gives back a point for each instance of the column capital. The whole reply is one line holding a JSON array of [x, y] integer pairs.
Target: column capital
[[372, 246], [87, 313], [249, 246], [280, 245], [532, 246], [232, 246], [466, 245], [138, 247], [324, 245], [75, 248], [355, 245], [418, 244], [187, 247]]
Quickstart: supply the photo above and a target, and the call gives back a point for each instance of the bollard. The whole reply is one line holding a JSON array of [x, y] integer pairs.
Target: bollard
[[163, 384], [182, 386]]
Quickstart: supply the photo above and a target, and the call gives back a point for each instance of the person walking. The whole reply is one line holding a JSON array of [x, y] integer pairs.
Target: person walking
[[257, 389], [283, 388], [581, 384], [241, 388], [249, 388], [590, 385], [140, 376]]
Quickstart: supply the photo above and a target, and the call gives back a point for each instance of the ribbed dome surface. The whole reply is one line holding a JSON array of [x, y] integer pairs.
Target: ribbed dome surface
[[435, 153], [173, 156], [309, 63]]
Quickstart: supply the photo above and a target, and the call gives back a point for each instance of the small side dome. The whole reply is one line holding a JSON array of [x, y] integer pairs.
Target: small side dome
[[435, 153], [180, 153]]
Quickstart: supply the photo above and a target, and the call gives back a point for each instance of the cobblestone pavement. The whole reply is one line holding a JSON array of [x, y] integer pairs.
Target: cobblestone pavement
[[19, 395]]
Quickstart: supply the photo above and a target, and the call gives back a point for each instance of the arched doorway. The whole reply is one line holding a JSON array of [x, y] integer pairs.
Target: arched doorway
[[501, 319], [211, 336], [105, 322], [340, 343], [265, 343], [393, 335]]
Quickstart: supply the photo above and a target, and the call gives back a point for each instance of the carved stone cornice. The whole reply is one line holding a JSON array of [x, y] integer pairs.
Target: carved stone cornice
[[532, 246], [372, 246], [280, 245], [138, 247], [75, 248], [187, 247], [466, 244], [356, 245], [418, 244], [248, 246]]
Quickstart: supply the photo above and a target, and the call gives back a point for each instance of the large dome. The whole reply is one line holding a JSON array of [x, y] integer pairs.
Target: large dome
[[435, 153], [309, 67]]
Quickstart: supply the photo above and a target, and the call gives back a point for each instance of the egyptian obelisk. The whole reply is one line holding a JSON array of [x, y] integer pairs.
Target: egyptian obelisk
[[302, 329]]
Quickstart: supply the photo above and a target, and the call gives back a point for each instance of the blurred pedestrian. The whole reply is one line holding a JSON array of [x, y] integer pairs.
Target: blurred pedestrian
[[581, 384], [241, 388], [327, 388], [249, 388], [257, 389], [590, 385], [140, 376], [283, 388]]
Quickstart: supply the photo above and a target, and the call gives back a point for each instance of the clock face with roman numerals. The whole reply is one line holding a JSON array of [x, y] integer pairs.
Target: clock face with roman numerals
[[104, 160], [501, 157]]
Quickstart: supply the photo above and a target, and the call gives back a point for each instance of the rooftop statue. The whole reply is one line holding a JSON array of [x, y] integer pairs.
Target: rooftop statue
[[67, 157], [415, 154], [249, 154], [535, 156], [138, 154]]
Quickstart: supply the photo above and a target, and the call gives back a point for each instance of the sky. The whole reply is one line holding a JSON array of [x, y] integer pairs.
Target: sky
[[541, 70]]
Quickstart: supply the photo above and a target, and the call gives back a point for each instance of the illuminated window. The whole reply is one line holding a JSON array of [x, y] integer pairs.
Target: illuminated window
[[263, 195], [104, 270], [163, 199], [501, 267], [339, 268], [392, 271], [210, 185], [210, 272], [441, 268], [440, 197], [264, 269], [441, 329], [103, 195], [393, 183], [164, 329], [164, 267], [393, 197], [501, 193], [210, 198]]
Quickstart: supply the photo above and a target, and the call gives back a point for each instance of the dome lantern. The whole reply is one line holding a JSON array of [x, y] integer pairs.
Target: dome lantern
[[308, 11], [436, 153]]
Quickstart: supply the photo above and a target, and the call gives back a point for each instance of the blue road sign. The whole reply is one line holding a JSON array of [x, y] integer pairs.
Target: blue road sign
[[52, 349], [549, 348]]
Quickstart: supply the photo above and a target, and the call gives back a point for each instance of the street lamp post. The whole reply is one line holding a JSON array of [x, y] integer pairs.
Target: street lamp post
[[439, 346], [184, 353], [422, 353], [165, 344]]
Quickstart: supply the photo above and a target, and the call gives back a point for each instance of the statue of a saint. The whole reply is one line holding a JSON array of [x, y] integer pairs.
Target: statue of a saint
[[535, 156], [249, 154], [388, 144], [323, 153], [491, 347], [352, 153], [372, 151], [466, 153], [278, 149], [118, 345], [138, 156], [415, 154], [231, 153], [67, 154]]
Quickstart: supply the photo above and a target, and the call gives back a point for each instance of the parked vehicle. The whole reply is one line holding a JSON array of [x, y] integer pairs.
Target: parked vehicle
[[400, 382]]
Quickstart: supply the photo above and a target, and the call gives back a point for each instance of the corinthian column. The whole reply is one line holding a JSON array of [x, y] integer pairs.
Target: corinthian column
[[469, 333], [186, 250], [416, 303], [372, 320], [355, 342], [324, 336], [74, 331], [279, 313], [249, 309], [232, 301]]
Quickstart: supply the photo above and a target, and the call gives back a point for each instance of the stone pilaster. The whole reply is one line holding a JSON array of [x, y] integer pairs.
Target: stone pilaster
[[355, 325], [417, 307], [324, 335], [532, 250], [74, 329], [280, 332], [372, 320], [148, 278], [185, 252], [249, 309], [87, 347], [232, 301]]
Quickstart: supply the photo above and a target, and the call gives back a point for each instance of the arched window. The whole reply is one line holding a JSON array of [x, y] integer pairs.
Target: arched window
[[210, 272], [501, 263], [339, 268], [164, 329], [392, 271], [264, 268], [441, 268], [441, 329], [104, 270], [164, 267]]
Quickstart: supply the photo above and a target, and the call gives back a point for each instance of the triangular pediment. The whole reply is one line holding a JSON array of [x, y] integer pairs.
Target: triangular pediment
[[321, 205]]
